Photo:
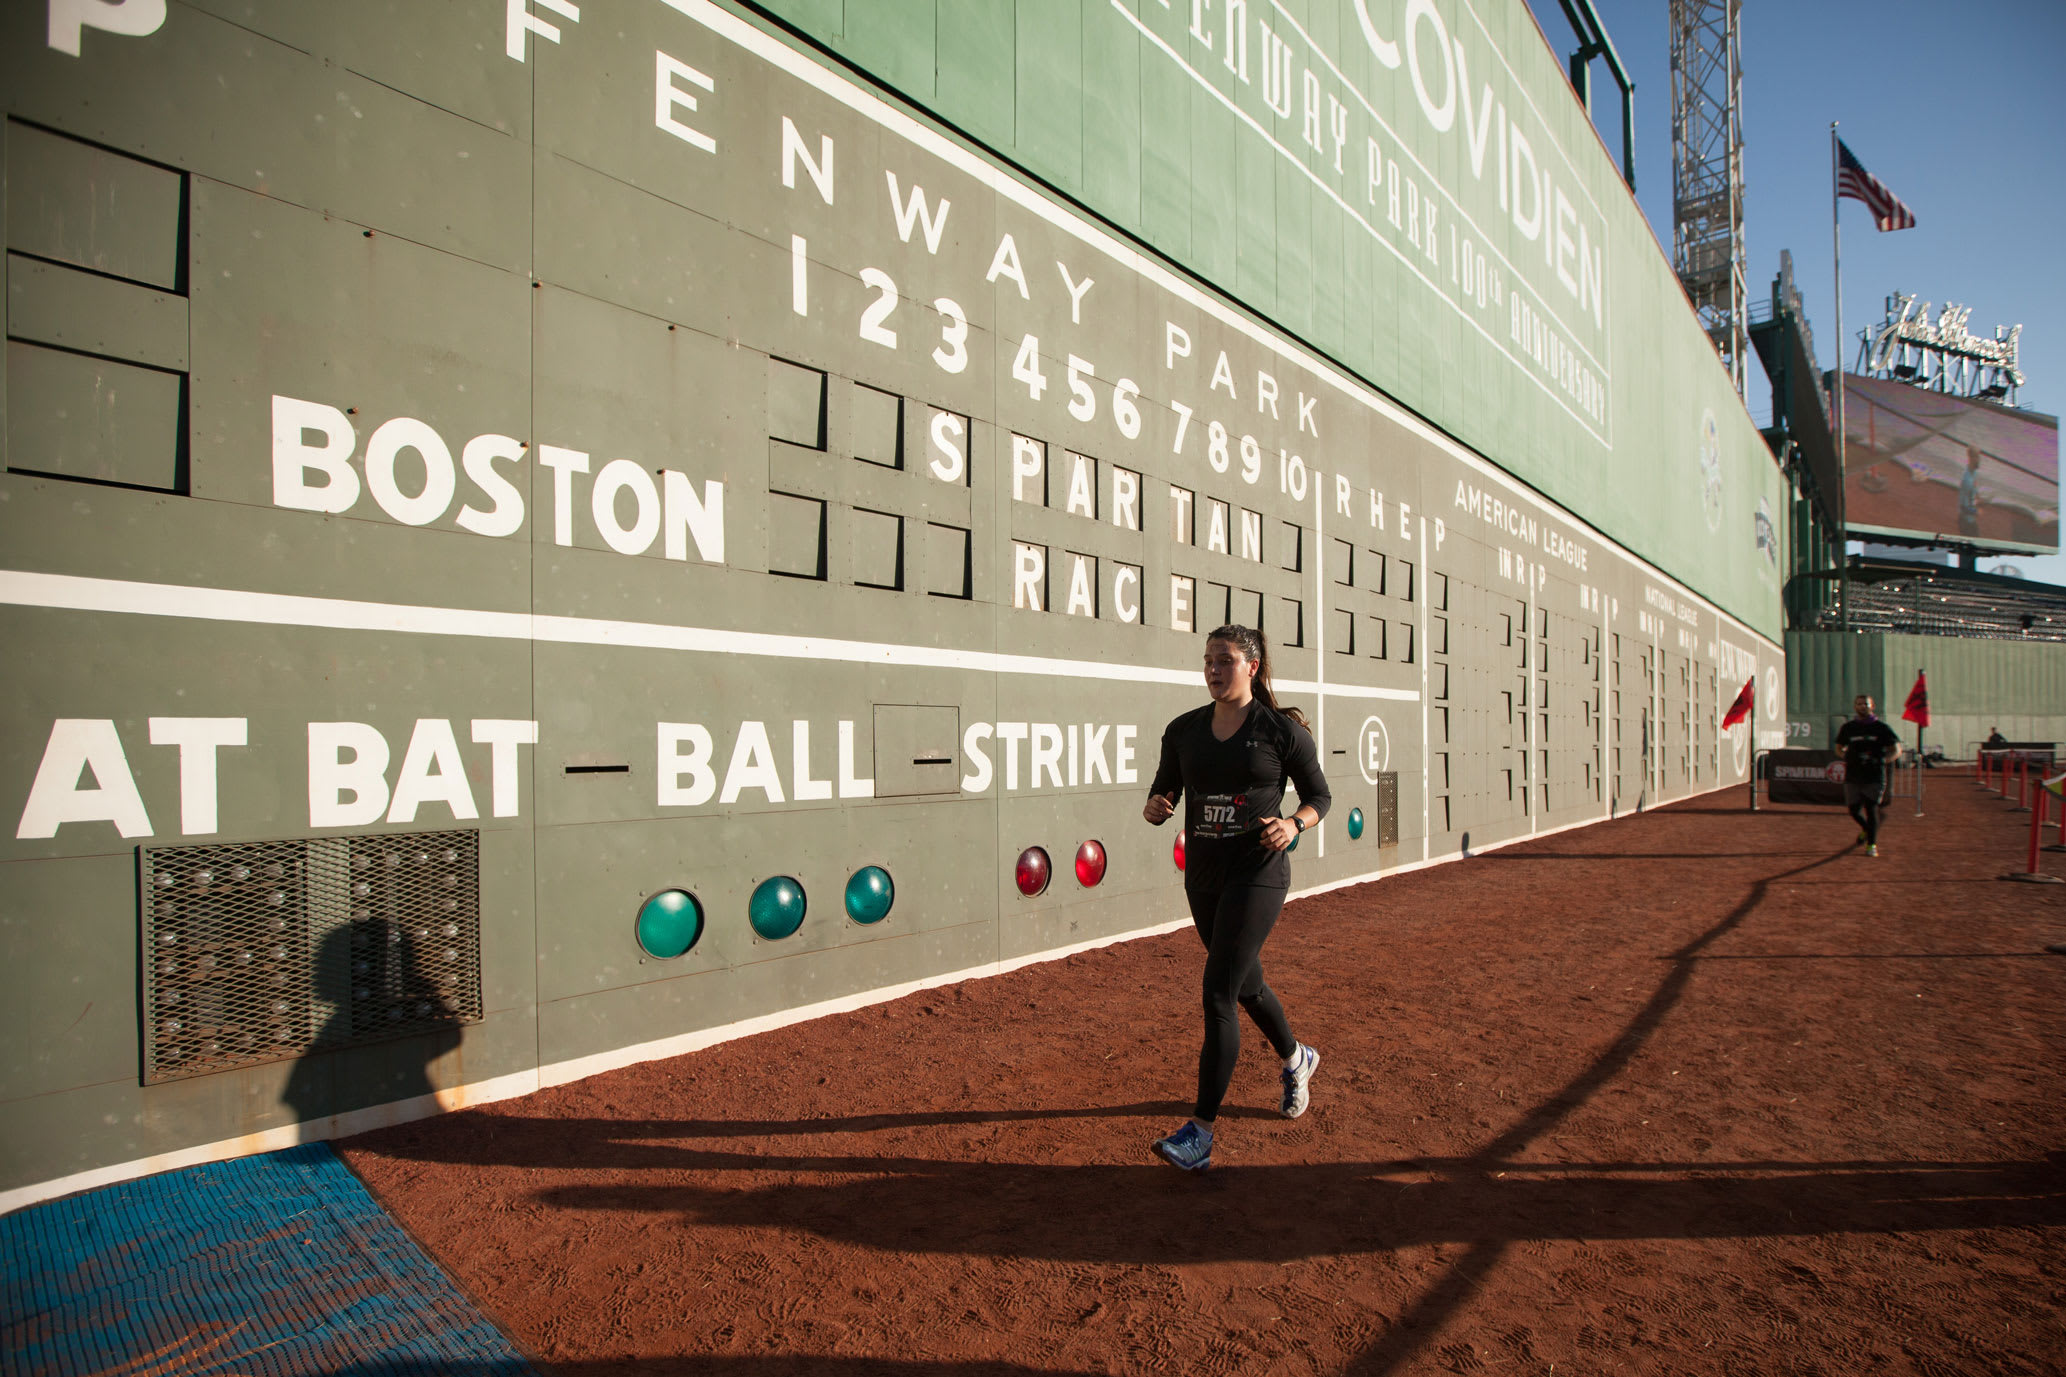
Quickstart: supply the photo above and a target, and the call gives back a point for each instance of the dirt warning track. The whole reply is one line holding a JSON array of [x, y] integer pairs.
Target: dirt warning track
[[1700, 1091]]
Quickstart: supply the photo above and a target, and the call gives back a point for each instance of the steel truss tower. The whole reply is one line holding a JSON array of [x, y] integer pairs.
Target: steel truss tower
[[1707, 170]]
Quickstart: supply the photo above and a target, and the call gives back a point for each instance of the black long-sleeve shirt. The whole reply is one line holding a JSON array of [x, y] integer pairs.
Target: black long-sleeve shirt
[[1231, 788], [1866, 742]]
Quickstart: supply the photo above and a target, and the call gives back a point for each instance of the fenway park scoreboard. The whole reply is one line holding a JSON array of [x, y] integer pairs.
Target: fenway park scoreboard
[[538, 536]]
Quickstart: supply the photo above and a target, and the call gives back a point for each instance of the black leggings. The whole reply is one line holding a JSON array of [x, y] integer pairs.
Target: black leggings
[[1863, 805], [1233, 923]]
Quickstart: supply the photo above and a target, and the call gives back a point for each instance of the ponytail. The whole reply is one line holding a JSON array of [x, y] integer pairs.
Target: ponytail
[[1256, 647]]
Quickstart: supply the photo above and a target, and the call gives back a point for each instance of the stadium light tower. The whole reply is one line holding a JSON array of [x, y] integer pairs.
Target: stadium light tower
[[1707, 170]]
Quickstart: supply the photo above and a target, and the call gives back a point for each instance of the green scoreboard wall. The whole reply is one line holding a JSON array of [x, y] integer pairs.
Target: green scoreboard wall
[[1409, 186]]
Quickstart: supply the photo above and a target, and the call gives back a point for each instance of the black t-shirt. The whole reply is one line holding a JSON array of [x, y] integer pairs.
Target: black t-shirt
[[1866, 743], [1231, 788]]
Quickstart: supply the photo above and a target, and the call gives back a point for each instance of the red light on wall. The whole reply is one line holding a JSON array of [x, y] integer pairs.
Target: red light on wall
[[1090, 864], [1177, 852], [1033, 871]]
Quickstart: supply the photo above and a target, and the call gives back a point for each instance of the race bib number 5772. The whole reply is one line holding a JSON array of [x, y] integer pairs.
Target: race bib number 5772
[[1219, 815]]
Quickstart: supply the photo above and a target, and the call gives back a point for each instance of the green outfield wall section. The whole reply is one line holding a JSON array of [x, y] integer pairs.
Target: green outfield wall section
[[535, 537], [1975, 686], [1411, 187]]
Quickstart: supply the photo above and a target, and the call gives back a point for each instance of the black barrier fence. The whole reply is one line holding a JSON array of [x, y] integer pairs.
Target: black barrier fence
[[1817, 777], [1804, 777]]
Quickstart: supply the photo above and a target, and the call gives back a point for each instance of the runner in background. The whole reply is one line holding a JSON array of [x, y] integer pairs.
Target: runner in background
[[1231, 758], [1868, 747]]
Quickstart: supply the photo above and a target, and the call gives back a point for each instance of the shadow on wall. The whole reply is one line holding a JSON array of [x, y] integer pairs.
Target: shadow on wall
[[377, 978]]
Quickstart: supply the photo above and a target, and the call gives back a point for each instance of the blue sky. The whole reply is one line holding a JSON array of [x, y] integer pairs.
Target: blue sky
[[1961, 111]]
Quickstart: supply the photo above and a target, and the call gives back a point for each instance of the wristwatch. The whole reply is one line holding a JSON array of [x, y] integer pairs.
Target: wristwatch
[[1299, 823]]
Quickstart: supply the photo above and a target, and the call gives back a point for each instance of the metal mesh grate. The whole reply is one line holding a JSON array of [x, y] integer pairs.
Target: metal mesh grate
[[261, 951]]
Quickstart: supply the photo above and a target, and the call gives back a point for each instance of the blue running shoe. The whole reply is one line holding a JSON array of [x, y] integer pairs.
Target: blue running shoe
[[1190, 1147], [1295, 1077]]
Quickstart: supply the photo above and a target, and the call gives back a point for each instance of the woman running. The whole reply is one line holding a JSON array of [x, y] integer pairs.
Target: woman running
[[1231, 758]]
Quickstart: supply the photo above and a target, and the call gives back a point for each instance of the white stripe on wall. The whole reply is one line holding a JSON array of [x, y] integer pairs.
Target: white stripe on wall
[[71, 592]]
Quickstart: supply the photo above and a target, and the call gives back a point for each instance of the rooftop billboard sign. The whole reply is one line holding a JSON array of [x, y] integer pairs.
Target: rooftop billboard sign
[[1925, 464]]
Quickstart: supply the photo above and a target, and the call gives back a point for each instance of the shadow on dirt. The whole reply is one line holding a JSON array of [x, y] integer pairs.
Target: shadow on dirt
[[1525, 856], [1148, 1214], [707, 1365], [1488, 1200], [1874, 956], [1763, 810]]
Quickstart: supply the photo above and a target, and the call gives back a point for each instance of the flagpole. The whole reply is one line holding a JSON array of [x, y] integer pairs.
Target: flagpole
[[1916, 709], [1843, 477], [1753, 738]]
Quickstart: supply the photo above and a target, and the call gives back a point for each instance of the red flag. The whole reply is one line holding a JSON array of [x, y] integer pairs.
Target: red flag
[[1917, 709], [1745, 701]]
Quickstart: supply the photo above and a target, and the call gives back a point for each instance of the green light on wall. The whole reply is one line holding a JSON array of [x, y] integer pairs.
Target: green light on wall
[[869, 894], [669, 924], [776, 908], [1355, 823]]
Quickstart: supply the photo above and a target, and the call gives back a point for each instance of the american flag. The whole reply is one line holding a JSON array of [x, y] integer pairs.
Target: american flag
[[1854, 181]]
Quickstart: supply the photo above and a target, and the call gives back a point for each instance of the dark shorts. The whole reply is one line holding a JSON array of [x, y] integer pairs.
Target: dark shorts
[[1868, 790]]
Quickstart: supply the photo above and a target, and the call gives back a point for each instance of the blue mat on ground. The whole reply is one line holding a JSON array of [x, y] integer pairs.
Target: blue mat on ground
[[280, 1264]]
